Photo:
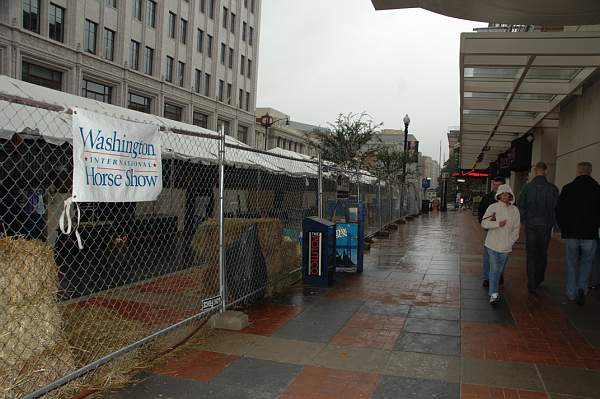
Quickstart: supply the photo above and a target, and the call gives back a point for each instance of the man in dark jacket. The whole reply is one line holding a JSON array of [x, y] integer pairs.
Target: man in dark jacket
[[578, 217], [537, 204], [485, 203]]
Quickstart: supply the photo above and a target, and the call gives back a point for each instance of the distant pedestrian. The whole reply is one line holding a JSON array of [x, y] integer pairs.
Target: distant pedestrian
[[537, 204], [486, 201], [502, 221], [578, 217]]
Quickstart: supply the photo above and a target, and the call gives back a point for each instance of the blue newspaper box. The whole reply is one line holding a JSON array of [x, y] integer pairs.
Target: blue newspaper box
[[318, 251], [349, 216]]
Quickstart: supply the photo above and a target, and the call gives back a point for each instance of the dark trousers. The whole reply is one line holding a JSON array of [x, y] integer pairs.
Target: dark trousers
[[538, 239]]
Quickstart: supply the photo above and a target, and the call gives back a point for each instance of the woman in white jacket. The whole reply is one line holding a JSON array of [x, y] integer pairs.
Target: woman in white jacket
[[502, 222]]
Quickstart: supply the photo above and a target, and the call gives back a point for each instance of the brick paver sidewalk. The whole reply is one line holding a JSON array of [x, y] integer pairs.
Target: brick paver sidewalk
[[415, 324]]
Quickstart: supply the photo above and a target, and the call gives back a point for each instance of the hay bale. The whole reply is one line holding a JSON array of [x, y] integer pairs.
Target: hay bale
[[29, 272], [94, 332], [206, 241], [27, 331], [39, 371]]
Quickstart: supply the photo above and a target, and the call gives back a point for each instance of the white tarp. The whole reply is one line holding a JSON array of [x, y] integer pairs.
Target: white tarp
[[114, 160]]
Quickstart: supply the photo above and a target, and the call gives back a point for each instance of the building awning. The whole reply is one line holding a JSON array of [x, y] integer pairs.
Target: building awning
[[514, 82], [531, 12]]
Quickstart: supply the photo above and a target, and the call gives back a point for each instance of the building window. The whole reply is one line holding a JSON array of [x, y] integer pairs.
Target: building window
[[252, 6], [247, 101], [111, 3], [207, 85], [251, 36], [183, 31], [230, 57], [41, 76], [221, 89], [245, 3], [96, 91], [151, 13], [225, 16], [31, 15], [180, 73], [172, 112], [232, 23], [244, 29], [134, 55], [202, 6], [169, 72], [211, 9], [200, 119], [148, 60], [243, 66], [223, 126], [200, 44], [198, 81], [223, 50], [139, 103], [172, 18], [109, 44], [241, 99], [89, 39], [249, 71], [209, 45], [243, 134], [56, 22], [229, 93], [137, 9]]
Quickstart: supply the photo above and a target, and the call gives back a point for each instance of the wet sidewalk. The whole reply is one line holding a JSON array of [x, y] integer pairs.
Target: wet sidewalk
[[415, 324]]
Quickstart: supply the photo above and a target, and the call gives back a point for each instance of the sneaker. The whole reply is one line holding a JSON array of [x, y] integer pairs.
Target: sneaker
[[494, 298], [580, 297], [486, 283]]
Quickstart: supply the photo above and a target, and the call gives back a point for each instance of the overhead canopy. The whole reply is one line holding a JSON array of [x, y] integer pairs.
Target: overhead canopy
[[514, 82], [41, 113], [530, 12]]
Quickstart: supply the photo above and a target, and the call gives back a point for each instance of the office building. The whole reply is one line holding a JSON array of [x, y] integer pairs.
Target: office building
[[190, 60]]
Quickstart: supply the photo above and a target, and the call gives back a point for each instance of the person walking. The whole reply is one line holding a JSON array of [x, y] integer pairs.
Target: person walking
[[578, 216], [537, 204], [486, 201], [503, 222]]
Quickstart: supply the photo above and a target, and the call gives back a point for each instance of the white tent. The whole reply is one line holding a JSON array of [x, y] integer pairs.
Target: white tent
[[37, 112]]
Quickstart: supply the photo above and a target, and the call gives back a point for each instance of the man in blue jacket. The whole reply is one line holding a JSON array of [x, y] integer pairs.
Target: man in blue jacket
[[537, 205], [578, 217]]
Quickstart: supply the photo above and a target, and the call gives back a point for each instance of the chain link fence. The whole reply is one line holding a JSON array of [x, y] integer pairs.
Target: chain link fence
[[224, 232]]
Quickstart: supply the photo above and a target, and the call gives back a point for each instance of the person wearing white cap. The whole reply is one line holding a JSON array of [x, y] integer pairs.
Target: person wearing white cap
[[502, 221]]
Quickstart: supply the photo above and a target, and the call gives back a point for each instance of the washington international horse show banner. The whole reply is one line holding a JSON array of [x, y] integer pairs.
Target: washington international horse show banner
[[115, 160]]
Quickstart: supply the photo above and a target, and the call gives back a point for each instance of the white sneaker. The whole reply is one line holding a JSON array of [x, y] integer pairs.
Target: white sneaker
[[494, 298]]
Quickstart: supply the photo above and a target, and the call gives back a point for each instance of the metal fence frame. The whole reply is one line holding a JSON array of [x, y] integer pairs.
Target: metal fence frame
[[382, 206]]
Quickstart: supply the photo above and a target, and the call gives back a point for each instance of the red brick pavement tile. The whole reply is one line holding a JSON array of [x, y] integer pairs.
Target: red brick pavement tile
[[267, 319], [471, 391], [196, 365], [365, 330], [324, 383]]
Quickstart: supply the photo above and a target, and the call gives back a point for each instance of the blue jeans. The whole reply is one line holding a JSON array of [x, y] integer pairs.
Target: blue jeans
[[486, 264], [498, 262], [580, 257]]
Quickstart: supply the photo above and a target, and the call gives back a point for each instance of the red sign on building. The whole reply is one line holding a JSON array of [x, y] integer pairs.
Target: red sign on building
[[314, 266]]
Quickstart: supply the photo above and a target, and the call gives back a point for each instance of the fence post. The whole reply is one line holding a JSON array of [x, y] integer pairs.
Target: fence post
[[222, 291], [358, 185], [379, 207], [320, 187]]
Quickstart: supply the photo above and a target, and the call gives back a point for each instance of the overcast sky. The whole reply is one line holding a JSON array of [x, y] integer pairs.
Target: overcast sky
[[319, 58]]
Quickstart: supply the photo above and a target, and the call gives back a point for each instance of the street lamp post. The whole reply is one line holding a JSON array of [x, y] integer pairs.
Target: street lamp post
[[406, 121], [267, 121]]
